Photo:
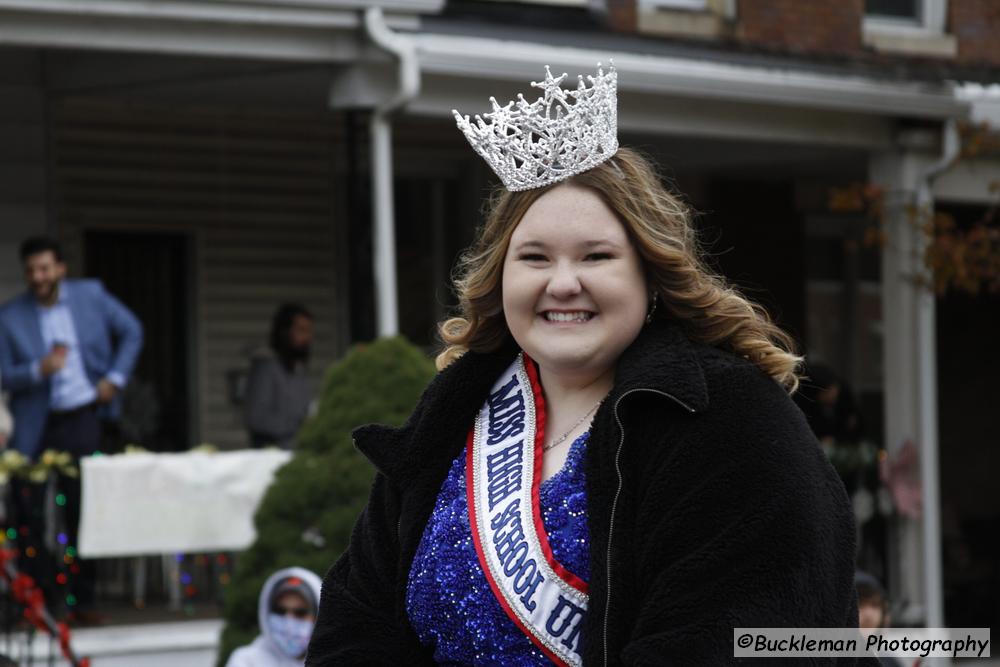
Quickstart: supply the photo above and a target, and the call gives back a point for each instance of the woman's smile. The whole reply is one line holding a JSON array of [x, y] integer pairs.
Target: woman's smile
[[564, 317]]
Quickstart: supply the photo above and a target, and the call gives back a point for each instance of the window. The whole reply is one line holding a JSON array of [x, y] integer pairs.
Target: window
[[909, 27], [704, 19], [895, 9], [906, 15]]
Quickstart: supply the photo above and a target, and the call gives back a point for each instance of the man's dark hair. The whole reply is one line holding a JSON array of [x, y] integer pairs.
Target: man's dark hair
[[868, 586], [281, 324], [870, 595], [870, 591], [38, 244]]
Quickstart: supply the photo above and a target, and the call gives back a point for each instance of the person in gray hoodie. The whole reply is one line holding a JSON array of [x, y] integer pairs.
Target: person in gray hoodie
[[278, 389], [286, 613]]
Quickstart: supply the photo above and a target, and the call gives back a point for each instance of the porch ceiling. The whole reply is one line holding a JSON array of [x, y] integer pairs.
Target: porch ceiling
[[243, 82], [188, 80]]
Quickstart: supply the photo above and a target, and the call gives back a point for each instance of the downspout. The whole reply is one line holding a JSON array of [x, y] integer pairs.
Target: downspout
[[928, 397], [384, 245]]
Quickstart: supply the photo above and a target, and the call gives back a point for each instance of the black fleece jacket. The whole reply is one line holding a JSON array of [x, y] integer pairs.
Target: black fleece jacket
[[710, 506]]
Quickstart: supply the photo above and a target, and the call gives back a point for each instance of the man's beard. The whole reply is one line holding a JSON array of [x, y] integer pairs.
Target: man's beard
[[45, 293]]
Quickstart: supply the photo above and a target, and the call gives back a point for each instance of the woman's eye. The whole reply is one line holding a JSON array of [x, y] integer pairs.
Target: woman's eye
[[532, 258], [595, 256]]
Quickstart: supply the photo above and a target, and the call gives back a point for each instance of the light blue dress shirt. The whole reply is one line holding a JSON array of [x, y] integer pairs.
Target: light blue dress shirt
[[70, 386]]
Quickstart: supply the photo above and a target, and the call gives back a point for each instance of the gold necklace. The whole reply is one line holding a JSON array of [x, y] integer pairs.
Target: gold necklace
[[565, 435]]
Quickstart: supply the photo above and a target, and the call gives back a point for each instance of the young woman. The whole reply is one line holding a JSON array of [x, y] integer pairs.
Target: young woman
[[608, 468]]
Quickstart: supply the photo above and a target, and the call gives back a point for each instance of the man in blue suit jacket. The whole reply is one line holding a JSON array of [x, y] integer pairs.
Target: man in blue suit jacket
[[40, 366], [67, 348]]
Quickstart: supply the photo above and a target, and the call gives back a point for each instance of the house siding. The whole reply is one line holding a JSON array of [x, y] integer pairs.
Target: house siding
[[257, 194]]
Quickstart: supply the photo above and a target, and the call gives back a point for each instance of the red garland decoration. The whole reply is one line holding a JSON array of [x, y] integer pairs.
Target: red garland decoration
[[25, 591]]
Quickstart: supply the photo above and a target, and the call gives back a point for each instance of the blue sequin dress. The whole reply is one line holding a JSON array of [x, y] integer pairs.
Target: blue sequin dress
[[449, 601]]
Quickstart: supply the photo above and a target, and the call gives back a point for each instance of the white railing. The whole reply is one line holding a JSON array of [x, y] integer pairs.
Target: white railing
[[179, 644]]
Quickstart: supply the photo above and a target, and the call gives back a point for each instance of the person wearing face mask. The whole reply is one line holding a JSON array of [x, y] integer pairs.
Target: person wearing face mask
[[608, 469], [286, 613]]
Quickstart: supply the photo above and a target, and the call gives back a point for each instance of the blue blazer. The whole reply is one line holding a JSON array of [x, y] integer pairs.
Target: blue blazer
[[110, 339]]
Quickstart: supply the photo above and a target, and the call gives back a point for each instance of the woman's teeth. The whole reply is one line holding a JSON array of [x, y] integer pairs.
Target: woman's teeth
[[581, 316]]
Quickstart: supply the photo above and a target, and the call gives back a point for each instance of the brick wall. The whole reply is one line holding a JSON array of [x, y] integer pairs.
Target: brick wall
[[827, 27], [976, 24], [622, 15]]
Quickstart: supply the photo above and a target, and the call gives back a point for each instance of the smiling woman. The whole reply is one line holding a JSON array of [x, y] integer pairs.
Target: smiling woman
[[608, 468]]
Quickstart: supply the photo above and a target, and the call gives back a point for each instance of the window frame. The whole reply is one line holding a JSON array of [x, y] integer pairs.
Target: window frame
[[553, 3], [932, 21], [688, 5]]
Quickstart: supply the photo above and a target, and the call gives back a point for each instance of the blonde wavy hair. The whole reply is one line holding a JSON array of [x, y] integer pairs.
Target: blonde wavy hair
[[659, 225]]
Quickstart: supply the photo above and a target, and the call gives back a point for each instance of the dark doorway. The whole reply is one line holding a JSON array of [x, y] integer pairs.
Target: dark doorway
[[969, 434], [149, 273], [430, 233], [757, 242]]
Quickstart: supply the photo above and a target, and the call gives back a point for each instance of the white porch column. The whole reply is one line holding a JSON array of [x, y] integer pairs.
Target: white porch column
[[384, 237], [910, 379]]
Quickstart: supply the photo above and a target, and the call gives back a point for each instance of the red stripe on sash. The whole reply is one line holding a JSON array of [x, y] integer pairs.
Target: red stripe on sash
[[497, 593], [536, 504]]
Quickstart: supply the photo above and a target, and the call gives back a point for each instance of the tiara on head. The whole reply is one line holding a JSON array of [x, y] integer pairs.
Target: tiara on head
[[562, 133]]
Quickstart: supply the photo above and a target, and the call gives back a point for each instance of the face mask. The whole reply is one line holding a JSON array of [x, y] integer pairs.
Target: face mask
[[290, 634]]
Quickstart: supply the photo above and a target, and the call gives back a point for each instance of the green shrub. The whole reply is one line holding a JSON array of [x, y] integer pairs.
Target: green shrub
[[307, 514]]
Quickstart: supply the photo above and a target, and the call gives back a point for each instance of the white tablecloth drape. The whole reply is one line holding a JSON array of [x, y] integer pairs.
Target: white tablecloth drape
[[147, 504]]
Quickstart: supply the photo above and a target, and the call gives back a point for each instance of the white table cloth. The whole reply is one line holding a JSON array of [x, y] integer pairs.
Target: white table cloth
[[148, 504]]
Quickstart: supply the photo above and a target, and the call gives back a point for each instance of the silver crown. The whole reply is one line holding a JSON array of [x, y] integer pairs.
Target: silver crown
[[562, 133]]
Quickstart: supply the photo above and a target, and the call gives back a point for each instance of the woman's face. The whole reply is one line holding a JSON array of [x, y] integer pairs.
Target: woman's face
[[574, 294]]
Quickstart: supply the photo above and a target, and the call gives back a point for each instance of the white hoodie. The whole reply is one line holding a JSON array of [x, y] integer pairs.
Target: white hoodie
[[263, 652]]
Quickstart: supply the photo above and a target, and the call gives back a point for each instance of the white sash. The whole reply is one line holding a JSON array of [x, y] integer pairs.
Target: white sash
[[503, 471]]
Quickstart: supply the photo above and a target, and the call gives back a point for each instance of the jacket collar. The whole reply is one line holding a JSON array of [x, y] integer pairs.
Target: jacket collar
[[661, 358]]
